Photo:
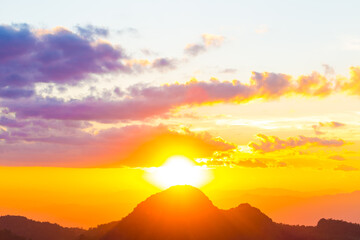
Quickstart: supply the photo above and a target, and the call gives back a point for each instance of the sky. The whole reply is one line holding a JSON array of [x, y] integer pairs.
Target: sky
[[95, 97]]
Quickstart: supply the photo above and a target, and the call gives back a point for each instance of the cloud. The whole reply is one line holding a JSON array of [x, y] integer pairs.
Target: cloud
[[273, 143], [145, 101], [194, 49], [208, 41], [248, 163], [212, 40], [329, 70], [163, 64], [30, 56], [346, 168], [53, 56], [351, 85], [159, 64], [131, 31], [229, 70], [337, 157], [90, 31], [65, 143], [148, 52], [332, 124]]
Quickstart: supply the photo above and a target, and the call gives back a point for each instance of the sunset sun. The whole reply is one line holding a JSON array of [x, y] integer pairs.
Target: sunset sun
[[178, 170]]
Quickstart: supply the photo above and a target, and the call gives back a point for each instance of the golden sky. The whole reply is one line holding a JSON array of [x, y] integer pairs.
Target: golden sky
[[95, 116]]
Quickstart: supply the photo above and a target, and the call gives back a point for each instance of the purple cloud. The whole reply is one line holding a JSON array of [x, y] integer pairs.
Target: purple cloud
[[143, 101], [90, 31], [59, 56], [163, 64], [194, 49]]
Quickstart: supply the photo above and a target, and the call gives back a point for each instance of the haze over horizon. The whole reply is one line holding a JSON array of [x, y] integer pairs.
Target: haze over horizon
[[104, 104]]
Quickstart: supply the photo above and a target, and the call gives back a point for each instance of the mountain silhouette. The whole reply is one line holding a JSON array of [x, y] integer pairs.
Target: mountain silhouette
[[7, 235], [182, 212], [34, 230]]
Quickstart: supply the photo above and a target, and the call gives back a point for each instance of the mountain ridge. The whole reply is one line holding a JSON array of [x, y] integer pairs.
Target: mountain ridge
[[185, 212]]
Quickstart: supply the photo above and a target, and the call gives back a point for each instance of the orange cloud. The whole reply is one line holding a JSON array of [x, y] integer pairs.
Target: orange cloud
[[337, 157], [346, 168], [351, 85], [212, 40], [313, 85], [273, 143], [248, 163]]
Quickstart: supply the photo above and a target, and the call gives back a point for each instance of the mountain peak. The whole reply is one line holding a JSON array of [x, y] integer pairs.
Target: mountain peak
[[185, 212], [177, 201]]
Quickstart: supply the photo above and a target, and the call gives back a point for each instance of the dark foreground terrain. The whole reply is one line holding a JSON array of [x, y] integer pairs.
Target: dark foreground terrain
[[182, 212]]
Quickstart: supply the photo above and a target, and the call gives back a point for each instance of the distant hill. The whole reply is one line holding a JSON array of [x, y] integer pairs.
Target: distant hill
[[34, 230], [98, 232], [299, 208]]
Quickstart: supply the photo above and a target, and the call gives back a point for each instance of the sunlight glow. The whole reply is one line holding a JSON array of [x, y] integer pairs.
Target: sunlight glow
[[178, 170]]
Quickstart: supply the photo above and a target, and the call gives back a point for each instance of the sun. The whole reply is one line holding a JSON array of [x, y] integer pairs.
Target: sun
[[178, 170]]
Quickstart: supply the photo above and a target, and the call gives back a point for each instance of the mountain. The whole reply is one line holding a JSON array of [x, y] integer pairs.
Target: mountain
[[7, 235], [182, 212], [29, 229], [304, 208]]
